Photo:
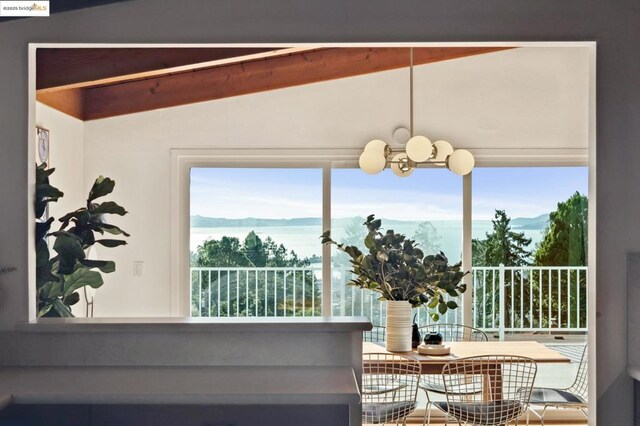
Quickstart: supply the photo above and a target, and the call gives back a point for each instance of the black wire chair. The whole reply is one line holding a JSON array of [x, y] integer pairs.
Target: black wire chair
[[450, 333]]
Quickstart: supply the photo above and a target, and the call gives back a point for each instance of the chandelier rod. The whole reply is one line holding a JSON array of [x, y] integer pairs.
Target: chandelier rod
[[411, 91]]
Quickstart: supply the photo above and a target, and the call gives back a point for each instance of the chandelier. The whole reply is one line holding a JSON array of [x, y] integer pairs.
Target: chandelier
[[418, 151]]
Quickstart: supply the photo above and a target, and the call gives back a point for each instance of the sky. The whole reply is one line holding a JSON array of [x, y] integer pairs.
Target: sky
[[428, 194]]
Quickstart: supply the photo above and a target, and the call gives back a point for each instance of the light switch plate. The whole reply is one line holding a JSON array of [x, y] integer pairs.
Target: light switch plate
[[138, 268]]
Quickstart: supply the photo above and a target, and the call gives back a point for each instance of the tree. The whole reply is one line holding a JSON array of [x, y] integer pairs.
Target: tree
[[246, 290], [564, 243], [565, 238], [502, 246], [427, 237]]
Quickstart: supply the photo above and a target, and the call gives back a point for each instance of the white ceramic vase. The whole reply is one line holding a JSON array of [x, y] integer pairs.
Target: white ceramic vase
[[398, 326]]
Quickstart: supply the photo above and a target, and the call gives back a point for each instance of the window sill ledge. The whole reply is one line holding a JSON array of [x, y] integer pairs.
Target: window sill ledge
[[199, 325]]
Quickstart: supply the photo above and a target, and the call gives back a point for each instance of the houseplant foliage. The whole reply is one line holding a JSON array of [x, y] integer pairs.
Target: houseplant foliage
[[398, 269], [59, 277]]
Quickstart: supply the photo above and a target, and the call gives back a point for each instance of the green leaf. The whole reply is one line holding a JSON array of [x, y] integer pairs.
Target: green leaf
[[71, 299], [112, 229], [435, 317], [101, 187], [111, 243], [442, 308], [451, 304], [81, 277], [48, 191], [42, 228], [44, 310], [70, 251], [106, 266], [108, 207], [62, 309]]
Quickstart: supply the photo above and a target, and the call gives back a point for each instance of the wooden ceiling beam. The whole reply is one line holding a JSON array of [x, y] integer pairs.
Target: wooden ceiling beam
[[257, 76], [251, 76], [68, 68], [69, 101]]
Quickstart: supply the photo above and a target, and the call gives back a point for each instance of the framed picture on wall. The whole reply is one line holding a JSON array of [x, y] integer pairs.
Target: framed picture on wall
[[42, 145]]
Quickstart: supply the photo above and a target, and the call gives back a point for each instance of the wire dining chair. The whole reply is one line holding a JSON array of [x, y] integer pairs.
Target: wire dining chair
[[450, 333], [575, 396], [389, 388], [376, 335], [487, 390], [455, 332]]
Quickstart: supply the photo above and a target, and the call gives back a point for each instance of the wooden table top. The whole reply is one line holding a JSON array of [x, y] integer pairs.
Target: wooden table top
[[534, 350]]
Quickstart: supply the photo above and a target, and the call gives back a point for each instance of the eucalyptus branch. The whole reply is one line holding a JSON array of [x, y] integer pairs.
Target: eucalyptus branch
[[396, 268]]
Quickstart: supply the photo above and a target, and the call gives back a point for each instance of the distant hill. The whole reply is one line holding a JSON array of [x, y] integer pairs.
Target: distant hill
[[198, 221], [220, 222], [538, 222]]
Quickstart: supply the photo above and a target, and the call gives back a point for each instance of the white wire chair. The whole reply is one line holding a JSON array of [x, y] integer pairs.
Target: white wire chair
[[487, 390], [450, 333], [389, 388], [574, 397]]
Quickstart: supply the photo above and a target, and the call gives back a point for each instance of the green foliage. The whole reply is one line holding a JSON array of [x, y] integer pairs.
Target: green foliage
[[502, 246], [253, 252], [59, 278], [396, 268], [565, 237]]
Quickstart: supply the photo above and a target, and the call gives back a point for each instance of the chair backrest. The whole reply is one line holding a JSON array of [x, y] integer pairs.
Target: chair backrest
[[376, 335], [456, 332], [489, 390], [579, 386], [389, 387]]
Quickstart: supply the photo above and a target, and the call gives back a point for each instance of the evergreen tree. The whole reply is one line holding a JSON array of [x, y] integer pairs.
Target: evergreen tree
[[502, 246], [427, 238], [565, 238]]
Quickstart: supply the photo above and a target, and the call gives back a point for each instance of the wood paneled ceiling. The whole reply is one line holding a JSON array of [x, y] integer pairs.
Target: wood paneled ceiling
[[94, 83]]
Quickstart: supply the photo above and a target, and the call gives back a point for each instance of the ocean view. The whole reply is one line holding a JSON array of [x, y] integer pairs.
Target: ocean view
[[305, 241]]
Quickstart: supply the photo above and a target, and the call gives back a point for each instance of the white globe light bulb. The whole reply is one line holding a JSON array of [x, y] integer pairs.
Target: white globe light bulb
[[461, 162], [419, 149], [377, 146], [443, 149], [372, 162], [401, 166]]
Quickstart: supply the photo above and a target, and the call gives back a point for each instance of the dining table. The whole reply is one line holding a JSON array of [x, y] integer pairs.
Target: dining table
[[432, 364]]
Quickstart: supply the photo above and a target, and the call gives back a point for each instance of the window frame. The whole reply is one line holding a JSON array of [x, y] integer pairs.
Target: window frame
[[182, 160]]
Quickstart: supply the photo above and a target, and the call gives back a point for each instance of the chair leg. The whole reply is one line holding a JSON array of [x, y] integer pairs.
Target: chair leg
[[544, 410], [426, 421]]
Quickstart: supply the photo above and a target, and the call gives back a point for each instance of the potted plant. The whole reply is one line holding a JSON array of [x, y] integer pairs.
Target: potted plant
[[395, 267], [61, 276]]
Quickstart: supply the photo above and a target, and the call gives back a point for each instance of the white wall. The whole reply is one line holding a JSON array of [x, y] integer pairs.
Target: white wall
[[522, 98]]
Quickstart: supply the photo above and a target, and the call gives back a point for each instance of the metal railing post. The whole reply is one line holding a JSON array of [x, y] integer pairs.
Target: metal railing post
[[501, 304]]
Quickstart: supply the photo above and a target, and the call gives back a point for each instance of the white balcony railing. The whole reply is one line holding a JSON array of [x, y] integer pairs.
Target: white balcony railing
[[532, 298]]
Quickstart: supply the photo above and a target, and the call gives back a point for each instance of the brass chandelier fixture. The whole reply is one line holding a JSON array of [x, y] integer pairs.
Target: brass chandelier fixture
[[419, 151]]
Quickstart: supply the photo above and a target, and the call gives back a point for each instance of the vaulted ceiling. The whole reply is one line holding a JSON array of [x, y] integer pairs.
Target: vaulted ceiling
[[94, 83]]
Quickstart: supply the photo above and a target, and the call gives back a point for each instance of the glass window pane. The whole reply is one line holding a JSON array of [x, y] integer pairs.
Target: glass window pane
[[426, 206], [533, 221], [254, 241]]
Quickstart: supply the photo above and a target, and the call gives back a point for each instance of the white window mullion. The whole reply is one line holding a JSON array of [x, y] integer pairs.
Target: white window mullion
[[326, 249]]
